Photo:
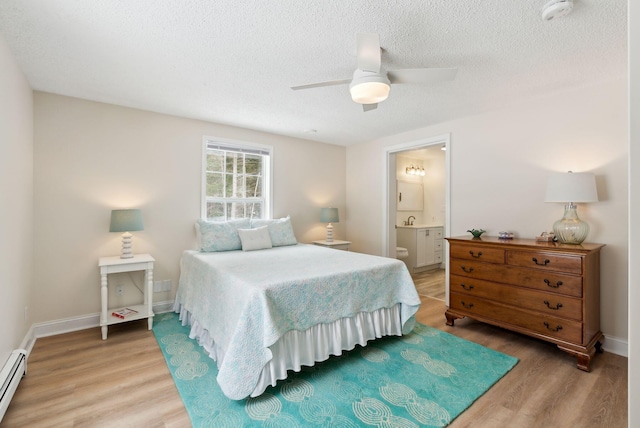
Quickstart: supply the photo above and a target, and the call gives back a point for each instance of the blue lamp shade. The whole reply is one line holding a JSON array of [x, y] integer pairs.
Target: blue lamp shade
[[329, 215], [126, 221]]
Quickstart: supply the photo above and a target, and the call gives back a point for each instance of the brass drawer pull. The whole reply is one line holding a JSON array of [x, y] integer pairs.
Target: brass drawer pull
[[474, 255], [466, 287], [469, 306], [467, 270], [546, 262], [558, 328], [558, 306], [558, 283]]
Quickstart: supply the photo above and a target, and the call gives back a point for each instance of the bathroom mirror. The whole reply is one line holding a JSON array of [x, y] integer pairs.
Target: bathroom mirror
[[410, 196]]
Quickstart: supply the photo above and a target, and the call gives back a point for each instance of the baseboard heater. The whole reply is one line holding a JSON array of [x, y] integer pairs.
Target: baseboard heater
[[10, 376]]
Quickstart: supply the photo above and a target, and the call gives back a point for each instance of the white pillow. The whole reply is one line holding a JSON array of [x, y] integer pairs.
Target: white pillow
[[255, 239]]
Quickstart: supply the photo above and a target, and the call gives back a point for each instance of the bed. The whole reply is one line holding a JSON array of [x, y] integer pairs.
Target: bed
[[261, 313]]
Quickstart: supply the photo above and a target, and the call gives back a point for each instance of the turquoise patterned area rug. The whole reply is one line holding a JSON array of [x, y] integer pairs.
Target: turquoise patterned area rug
[[426, 378]]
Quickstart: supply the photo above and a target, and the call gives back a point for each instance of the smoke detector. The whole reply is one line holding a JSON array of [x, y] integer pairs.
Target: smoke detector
[[556, 9]]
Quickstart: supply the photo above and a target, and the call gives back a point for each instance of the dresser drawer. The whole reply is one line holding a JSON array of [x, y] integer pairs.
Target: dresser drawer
[[559, 328], [548, 303], [478, 253], [547, 261], [554, 282]]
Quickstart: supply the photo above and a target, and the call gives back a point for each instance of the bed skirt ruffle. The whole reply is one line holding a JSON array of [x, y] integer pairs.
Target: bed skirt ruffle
[[304, 348]]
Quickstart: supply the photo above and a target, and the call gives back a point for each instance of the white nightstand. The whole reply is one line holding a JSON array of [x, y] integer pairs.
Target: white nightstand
[[116, 265], [335, 244]]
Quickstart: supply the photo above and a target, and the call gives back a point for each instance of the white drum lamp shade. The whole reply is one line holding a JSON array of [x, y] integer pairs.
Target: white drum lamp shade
[[126, 221], [571, 188], [329, 215]]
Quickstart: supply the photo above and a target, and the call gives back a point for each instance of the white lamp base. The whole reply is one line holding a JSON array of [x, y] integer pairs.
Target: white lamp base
[[127, 246], [329, 232]]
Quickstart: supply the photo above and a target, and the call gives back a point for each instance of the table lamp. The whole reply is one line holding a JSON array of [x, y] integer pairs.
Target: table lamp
[[569, 188], [329, 215], [126, 221]]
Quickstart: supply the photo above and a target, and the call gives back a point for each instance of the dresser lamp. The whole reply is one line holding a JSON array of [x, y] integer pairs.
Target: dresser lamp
[[126, 221], [571, 188], [329, 215]]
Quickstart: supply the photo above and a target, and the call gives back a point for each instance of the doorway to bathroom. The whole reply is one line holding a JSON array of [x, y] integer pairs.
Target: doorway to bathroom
[[417, 214]]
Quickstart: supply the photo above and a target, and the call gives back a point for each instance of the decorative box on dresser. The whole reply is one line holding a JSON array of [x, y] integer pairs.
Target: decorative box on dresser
[[547, 290]]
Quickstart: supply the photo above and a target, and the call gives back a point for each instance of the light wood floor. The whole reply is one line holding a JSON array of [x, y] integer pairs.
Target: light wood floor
[[430, 283], [78, 380]]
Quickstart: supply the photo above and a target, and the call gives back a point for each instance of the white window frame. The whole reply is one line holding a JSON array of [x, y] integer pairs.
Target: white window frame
[[244, 147]]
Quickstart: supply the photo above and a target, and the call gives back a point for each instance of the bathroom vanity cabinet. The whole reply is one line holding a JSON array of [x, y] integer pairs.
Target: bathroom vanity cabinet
[[424, 244]]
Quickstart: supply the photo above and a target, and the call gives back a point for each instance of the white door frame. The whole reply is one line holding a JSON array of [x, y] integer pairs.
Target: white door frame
[[389, 199]]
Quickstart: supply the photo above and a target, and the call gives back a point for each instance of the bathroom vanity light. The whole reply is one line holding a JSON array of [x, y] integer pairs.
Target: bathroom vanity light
[[417, 170], [329, 215]]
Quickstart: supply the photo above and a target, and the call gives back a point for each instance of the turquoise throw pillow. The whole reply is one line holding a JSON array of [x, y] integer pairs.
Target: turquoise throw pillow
[[220, 236], [280, 230]]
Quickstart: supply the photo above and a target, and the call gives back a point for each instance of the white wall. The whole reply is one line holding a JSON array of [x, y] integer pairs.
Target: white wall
[[91, 157], [435, 188], [16, 208], [499, 165], [634, 214]]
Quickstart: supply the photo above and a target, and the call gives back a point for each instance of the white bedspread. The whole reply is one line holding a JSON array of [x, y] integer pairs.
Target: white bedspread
[[247, 300]]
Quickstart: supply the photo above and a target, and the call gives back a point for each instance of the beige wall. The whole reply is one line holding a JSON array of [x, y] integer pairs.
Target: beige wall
[[499, 165], [16, 208], [634, 214], [92, 157]]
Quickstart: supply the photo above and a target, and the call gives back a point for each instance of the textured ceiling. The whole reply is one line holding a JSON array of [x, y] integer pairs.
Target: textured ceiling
[[233, 61]]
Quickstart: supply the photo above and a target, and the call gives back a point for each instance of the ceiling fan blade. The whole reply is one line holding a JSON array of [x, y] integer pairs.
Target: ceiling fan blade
[[368, 48], [320, 84], [422, 75], [369, 107]]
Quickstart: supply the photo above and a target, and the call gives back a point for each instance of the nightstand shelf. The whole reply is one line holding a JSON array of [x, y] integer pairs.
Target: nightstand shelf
[[335, 244], [141, 310], [117, 265]]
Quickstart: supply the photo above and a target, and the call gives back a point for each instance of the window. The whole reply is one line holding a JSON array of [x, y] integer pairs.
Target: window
[[236, 180]]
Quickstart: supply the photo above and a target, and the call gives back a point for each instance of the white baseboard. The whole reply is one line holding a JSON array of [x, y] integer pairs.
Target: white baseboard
[[612, 344], [67, 325], [616, 345], [28, 341]]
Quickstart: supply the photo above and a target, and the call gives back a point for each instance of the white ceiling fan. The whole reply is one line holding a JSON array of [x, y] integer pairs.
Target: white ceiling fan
[[369, 85]]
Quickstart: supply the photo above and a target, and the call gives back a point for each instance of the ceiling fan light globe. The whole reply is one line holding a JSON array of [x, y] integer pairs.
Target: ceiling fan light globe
[[369, 92], [368, 87]]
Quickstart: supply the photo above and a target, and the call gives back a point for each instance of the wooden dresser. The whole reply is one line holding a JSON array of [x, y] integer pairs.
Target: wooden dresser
[[546, 290]]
